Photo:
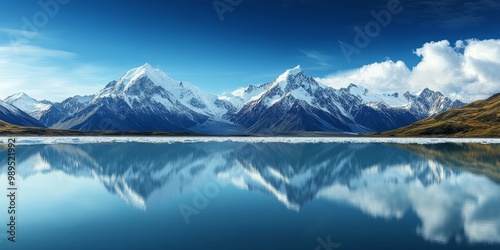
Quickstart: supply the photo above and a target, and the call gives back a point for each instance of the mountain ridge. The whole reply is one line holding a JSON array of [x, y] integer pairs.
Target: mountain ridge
[[147, 99], [13, 115], [477, 119]]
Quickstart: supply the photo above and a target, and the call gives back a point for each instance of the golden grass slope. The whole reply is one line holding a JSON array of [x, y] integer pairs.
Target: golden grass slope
[[477, 119], [7, 129]]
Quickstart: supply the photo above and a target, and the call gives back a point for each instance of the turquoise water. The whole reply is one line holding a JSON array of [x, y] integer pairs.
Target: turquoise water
[[255, 196]]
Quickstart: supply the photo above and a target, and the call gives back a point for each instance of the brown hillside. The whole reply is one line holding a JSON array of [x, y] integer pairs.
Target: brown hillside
[[477, 119]]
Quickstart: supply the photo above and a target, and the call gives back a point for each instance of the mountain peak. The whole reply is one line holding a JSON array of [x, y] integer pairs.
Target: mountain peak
[[294, 71], [426, 92], [20, 95], [297, 69], [146, 65], [290, 72], [356, 90], [157, 76], [28, 104], [147, 70]]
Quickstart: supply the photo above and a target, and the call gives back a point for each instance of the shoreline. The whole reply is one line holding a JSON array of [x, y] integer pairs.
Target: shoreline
[[46, 140]]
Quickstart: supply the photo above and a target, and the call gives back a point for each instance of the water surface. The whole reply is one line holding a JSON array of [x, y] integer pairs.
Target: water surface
[[235, 195]]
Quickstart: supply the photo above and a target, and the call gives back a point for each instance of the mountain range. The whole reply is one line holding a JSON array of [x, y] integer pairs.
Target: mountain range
[[13, 115], [146, 99], [476, 119]]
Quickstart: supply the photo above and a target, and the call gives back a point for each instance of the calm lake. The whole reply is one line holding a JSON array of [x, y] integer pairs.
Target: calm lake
[[235, 195]]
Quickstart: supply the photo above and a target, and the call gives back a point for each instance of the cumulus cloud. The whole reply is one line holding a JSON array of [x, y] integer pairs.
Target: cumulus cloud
[[467, 70], [459, 202], [384, 76]]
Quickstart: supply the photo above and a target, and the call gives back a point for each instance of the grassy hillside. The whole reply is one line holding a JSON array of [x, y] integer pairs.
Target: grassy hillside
[[7, 129], [477, 119]]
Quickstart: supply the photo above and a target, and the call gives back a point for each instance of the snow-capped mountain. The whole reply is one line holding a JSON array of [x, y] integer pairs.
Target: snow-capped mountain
[[422, 104], [368, 97], [15, 116], [147, 99], [296, 102], [429, 103], [144, 99], [381, 112], [177, 92], [29, 105]]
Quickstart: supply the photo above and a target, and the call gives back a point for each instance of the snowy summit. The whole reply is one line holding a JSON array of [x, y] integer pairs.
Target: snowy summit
[[147, 99]]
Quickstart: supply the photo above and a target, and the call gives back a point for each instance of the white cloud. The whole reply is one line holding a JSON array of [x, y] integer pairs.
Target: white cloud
[[468, 70], [46, 73], [441, 68], [385, 76], [460, 201], [34, 53]]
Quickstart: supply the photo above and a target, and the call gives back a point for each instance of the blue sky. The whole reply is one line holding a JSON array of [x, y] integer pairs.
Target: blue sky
[[80, 45]]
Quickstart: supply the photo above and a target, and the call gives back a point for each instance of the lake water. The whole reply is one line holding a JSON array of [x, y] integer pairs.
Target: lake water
[[235, 195]]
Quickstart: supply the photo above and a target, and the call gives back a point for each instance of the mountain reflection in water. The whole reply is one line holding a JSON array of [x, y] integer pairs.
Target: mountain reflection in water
[[452, 188]]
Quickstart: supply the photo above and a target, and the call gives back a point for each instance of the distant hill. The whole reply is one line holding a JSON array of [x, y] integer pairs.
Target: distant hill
[[477, 119], [7, 129], [12, 130]]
